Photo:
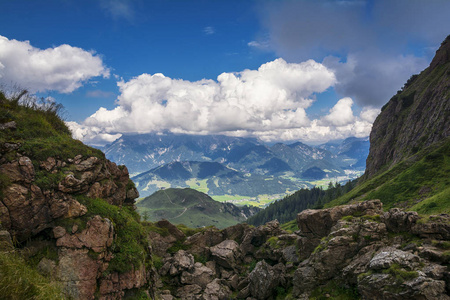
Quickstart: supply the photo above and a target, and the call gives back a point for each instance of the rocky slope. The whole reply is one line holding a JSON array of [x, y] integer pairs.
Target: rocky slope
[[68, 210], [353, 250], [417, 117]]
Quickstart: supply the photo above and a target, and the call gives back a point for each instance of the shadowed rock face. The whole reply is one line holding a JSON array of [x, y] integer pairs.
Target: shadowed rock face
[[40, 194], [27, 209], [415, 118]]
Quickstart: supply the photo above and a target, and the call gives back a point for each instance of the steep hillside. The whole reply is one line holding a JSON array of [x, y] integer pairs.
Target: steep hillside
[[409, 161], [192, 208], [68, 210], [416, 117]]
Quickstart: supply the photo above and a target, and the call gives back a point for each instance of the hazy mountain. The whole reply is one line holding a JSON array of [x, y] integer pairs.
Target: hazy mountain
[[144, 152], [355, 149], [211, 177]]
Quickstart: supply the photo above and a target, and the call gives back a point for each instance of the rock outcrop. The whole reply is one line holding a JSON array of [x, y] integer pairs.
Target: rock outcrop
[[41, 204], [359, 247]]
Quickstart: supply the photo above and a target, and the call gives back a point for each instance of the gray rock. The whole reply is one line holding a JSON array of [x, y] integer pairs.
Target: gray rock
[[226, 254], [264, 279], [5, 241], [389, 256], [201, 275], [215, 290]]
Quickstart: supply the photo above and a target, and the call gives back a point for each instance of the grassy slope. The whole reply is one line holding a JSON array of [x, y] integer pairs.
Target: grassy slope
[[185, 206], [41, 133], [420, 183]]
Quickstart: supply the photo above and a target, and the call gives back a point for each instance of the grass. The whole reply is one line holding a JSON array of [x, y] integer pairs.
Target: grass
[[20, 281], [199, 185], [400, 274], [334, 290], [415, 183], [41, 133], [290, 226]]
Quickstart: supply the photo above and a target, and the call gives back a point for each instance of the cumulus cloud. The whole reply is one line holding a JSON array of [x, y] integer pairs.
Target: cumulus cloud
[[63, 68], [268, 103], [372, 39]]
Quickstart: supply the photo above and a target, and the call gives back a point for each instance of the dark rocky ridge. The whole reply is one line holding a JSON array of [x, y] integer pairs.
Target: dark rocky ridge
[[415, 118], [380, 255]]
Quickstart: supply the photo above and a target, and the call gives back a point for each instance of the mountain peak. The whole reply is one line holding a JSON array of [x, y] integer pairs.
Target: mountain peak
[[414, 118]]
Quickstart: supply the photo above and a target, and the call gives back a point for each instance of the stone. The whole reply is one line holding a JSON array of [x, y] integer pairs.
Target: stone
[[46, 267], [192, 291], [227, 254], [437, 228], [9, 125], [389, 256], [215, 290], [5, 241], [97, 236], [200, 242], [58, 232], [181, 261], [264, 279], [87, 164], [318, 223], [49, 164], [200, 275], [173, 230]]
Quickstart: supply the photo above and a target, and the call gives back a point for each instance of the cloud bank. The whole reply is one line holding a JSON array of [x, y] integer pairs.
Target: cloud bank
[[268, 103], [63, 68], [365, 38]]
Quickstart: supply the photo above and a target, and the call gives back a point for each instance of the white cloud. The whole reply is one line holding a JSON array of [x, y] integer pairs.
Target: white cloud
[[209, 30], [259, 44], [119, 9], [91, 135], [268, 103], [341, 114], [63, 68]]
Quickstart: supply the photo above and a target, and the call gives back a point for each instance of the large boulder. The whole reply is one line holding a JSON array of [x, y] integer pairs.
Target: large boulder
[[227, 254], [200, 275], [317, 223], [264, 280]]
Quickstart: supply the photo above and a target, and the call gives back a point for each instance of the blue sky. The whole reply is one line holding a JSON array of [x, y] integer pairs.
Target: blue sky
[[104, 75]]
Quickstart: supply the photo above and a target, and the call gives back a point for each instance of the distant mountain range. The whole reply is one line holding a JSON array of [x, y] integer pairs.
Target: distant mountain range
[[223, 165], [144, 152], [212, 178]]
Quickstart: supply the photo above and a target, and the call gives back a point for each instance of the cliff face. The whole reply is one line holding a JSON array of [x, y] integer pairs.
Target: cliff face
[[68, 210], [418, 116]]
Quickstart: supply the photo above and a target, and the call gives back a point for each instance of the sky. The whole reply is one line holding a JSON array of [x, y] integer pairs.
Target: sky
[[305, 70]]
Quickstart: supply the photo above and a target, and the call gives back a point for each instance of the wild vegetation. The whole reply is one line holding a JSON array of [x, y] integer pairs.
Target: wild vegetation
[[41, 132], [286, 209]]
